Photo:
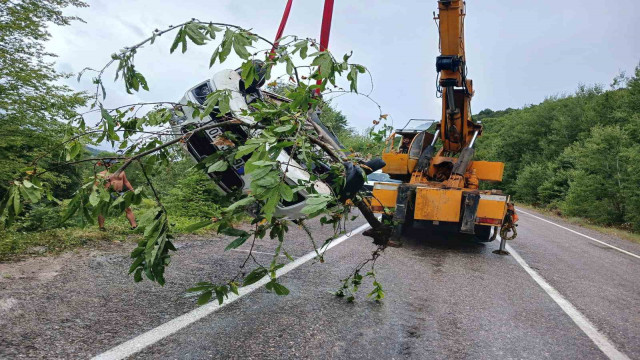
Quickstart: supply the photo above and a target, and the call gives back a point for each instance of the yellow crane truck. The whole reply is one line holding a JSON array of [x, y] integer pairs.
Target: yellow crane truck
[[440, 179]]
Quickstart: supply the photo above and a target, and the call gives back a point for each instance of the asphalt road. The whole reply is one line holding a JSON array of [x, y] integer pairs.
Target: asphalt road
[[445, 299]]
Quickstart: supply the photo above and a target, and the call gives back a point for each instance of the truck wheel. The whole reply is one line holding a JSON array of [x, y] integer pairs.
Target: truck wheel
[[483, 233]]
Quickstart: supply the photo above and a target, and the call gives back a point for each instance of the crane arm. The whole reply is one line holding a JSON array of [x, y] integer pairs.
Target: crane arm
[[456, 128]]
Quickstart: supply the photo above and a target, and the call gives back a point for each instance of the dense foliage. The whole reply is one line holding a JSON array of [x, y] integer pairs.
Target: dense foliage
[[579, 153], [32, 102]]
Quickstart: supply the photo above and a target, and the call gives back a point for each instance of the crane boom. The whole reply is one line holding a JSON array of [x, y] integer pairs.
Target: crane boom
[[456, 128]]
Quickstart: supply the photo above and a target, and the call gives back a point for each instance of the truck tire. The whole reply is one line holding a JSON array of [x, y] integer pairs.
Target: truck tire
[[483, 233]]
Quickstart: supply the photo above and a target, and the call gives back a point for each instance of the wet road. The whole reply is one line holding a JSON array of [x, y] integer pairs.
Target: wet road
[[445, 299]]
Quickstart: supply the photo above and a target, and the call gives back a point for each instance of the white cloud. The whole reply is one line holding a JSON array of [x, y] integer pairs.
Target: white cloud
[[518, 51]]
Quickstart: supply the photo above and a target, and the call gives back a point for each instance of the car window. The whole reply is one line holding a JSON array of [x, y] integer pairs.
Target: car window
[[378, 177]]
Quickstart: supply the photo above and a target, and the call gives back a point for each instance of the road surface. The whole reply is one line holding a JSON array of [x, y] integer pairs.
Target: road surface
[[444, 300]]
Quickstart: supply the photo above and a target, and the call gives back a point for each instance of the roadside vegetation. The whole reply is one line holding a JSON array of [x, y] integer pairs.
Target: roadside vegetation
[[578, 155], [40, 229]]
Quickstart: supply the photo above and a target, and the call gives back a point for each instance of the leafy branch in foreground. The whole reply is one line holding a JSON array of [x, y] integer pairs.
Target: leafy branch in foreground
[[286, 153]]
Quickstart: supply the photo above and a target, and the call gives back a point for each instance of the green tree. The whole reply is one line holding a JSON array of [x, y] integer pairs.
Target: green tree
[[578, 153], [529, 180], [597, 184], [33, 104]]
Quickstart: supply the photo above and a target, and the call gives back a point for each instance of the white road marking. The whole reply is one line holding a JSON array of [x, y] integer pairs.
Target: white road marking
[[601, 341], [586, 236], [154, 335]]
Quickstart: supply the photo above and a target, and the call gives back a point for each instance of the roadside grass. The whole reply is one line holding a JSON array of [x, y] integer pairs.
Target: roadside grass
[[15, 245], [609, 230]]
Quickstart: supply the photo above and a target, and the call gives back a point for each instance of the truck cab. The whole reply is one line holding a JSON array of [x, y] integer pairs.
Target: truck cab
[[404, 146]]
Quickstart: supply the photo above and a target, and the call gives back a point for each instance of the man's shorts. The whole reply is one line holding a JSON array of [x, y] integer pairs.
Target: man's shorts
[[115, 195]]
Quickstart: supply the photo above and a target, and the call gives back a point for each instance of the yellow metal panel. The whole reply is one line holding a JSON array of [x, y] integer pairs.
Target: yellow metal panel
[[396, 163], [411, 165], [493, 209], [488, 170], [438, 204], [384, 196]]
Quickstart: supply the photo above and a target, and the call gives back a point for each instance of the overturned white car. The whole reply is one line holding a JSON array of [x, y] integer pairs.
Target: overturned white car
[[204, 143]]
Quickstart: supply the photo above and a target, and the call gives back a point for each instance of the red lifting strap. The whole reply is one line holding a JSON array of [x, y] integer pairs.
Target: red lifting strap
[[325, 30], [283, 23], [326, 25]]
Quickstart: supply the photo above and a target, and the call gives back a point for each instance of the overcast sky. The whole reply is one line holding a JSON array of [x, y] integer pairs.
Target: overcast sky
[[518, 52]]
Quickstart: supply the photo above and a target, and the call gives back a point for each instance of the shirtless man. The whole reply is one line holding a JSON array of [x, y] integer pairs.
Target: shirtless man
[[404, 147], [117, 183]]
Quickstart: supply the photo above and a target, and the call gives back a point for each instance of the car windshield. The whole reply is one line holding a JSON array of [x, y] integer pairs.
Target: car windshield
[[378, 177]]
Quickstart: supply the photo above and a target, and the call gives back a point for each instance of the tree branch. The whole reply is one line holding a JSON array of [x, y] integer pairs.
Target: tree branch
[[174, 141]]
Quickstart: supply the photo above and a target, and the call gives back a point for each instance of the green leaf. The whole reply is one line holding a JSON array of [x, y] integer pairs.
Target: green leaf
[[261, 172], [195, 35], [287, 255], [183, 40], [237, 242], [269, 207], [199, 225], [234, 288], [277, 288], [225, 47], [263, 163], [248, 73], [324, 62], [213, 30], [255, 276], [221, 293], [290, 66], [205, 297], [245, 149], [241, 50], [268, 181], [352, 76], [286, 192], [17, 206], [137, 252], [242, 202], [214, 56], [94, 199], [202, 286], [31, 194], [218, 166], [142, 81], [137, 262], [137, 277], [176, 41], [223, 104], [283, 128]]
